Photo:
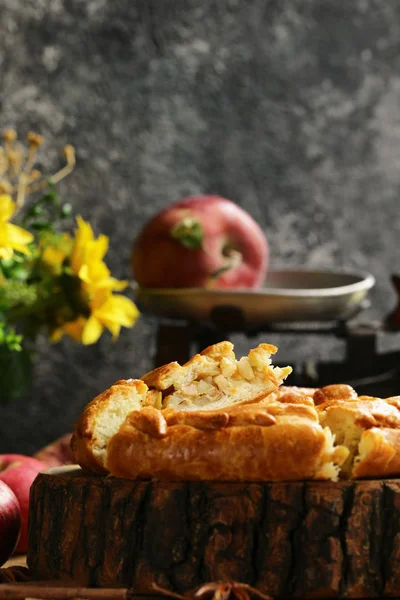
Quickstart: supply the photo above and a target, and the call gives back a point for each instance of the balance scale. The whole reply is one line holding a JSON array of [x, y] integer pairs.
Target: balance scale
[[323, 303]]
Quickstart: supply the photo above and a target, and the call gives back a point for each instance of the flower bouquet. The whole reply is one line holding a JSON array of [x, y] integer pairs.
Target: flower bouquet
[[52, 281]]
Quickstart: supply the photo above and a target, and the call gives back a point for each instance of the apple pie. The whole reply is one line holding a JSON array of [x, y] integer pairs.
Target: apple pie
[[213, 380], [219, 418], [368, 427]]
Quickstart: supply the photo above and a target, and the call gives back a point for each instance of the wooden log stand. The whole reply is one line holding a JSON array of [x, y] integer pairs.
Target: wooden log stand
[[314, 539]]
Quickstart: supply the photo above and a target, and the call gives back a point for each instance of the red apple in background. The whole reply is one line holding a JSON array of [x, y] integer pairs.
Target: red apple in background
[[10, 522], [19, 472], [57, 453], [201, 241]]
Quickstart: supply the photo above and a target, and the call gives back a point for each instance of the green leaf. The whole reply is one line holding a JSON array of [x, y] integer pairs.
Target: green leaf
[[48, 208], [40, 225], [37, 211], [18, 293], [7, 263], [20, 273], [8, 337], [188, 232]]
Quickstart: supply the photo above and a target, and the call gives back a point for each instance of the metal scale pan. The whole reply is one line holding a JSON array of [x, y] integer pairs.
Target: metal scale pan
[[288, 296]]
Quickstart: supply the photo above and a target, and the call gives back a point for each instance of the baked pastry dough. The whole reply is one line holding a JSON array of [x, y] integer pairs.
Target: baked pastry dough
[[212, 380], [230, 420], [101, 419], [370, 429], [254, 442]]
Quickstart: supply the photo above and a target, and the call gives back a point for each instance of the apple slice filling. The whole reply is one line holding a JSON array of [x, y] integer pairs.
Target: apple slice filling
[[215, 384]]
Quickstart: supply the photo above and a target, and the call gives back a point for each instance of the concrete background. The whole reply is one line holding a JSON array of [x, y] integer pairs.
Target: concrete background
[[290, 108]]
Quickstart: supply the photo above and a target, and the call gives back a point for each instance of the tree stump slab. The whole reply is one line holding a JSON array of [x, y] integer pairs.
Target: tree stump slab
[[313, 538]]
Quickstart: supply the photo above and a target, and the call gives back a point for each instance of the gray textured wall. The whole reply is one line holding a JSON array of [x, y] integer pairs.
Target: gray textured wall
[[289, 107]]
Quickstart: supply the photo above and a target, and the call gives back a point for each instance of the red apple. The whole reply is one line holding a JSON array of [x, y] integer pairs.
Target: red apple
[[57, 453], [10, 522], [19, 472], [202, 241]]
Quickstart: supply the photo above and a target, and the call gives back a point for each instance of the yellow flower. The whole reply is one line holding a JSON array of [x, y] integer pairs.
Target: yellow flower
[[87, 249], [108, 311], [72, 328], [97, 275], [87, 260], [53, 255], [12, 237]]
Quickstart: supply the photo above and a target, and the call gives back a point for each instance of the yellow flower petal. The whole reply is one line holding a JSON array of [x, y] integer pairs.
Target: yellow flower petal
[[53, 258], [7, 207], [118, 309], [6, 253], [115, 330], [110, 284], [56, 335], [66, 242], [86, 249], [83, 236], [21, 248], [94, 272], [84, 274], [84, 231], [92, 331], [73, 329], [18, 235], [100, 295], [99, 248], [13, 238], [118, 285]]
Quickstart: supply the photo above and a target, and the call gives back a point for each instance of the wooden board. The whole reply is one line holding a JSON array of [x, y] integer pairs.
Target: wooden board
[[287, 539]]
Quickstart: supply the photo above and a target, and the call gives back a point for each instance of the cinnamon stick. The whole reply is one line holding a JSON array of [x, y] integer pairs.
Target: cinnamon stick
[[49, 591]]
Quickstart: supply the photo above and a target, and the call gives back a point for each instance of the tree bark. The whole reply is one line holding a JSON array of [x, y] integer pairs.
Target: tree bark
[[320, 539]]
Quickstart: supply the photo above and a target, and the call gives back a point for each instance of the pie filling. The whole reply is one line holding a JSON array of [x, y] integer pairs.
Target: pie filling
[[223, 384]]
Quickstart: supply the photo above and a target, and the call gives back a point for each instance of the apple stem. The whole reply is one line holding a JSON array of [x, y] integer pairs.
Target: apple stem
[[232, 260], [188, 232]]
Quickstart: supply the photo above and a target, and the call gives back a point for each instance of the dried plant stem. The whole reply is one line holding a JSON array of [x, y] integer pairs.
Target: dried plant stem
[[17, 174], [30, 161], [69, 154], [21, 190], [3, 162]]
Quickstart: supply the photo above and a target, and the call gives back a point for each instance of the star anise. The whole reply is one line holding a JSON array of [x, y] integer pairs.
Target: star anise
[[217, 590]]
